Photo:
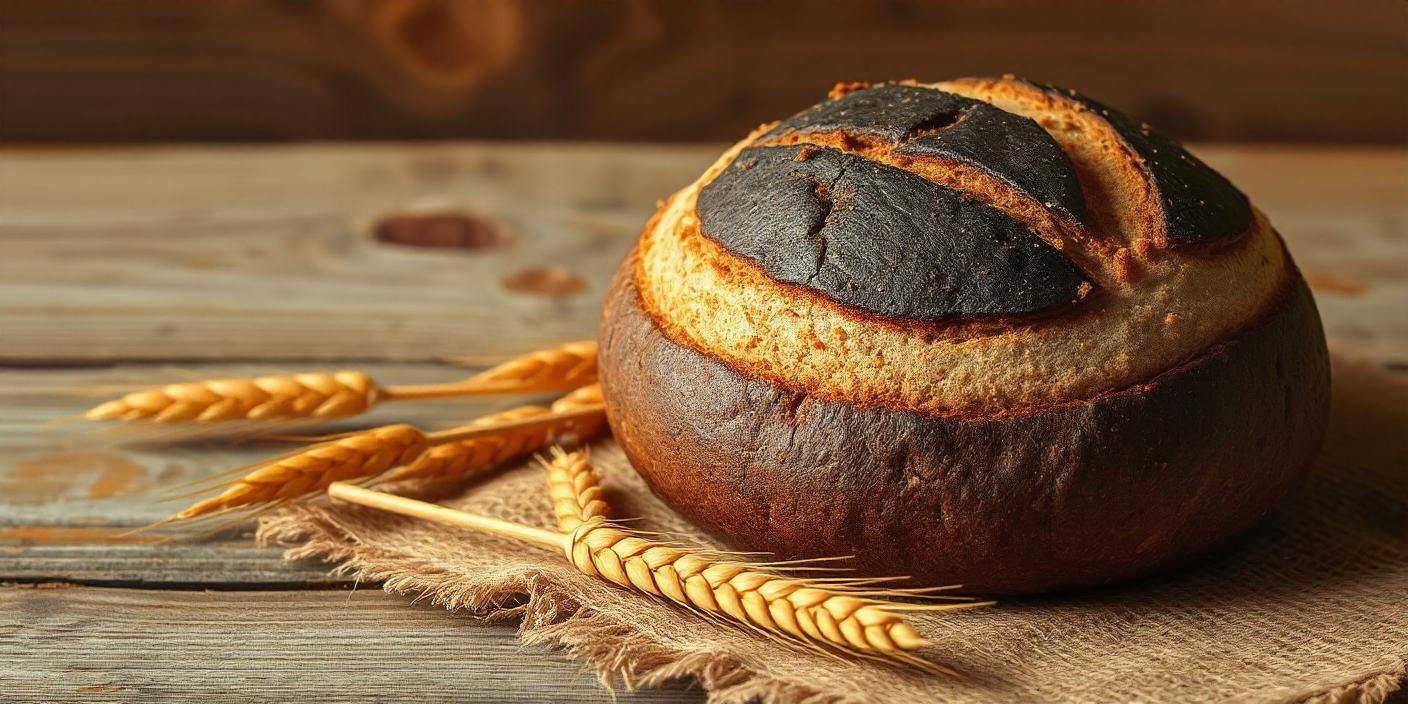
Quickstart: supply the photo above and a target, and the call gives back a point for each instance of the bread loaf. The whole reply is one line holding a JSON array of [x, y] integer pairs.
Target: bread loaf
[[983, 331]]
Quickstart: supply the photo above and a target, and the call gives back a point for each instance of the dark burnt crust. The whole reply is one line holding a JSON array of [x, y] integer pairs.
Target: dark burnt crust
[[957, 328], [1199, 205], [927, 122], [1081, 494], [881, 239]]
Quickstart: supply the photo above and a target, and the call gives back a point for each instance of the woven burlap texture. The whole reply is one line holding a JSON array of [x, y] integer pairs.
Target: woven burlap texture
[[1312, 605]]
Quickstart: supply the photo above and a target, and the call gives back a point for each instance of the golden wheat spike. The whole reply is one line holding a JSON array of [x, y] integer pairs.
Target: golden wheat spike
[[464, 457], [409, 452], [573, 489], [312, 395], [312, 470], [793, 606], [558, 369], [810, 614], [322, 395], [742, 591]]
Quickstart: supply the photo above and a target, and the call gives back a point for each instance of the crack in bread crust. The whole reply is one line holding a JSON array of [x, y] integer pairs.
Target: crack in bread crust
[[1074, 241], [1172, 199], [918, 121]]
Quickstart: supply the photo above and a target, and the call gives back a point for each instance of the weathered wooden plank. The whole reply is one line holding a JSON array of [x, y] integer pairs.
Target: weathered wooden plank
[[265, 254], [120, 645], [36, 555]]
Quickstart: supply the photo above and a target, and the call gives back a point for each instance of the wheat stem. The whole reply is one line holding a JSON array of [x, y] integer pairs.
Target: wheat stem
[[736, 590], [812, 613], [324, 395], [440, 514]]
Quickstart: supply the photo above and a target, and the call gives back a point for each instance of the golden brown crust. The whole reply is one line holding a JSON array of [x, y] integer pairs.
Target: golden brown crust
[[1080, 493], [1151, 307]]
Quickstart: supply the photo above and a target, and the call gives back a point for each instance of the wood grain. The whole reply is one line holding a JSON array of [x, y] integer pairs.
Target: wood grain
[[166, 70], [121, 645], [45, 555], [214, 253]]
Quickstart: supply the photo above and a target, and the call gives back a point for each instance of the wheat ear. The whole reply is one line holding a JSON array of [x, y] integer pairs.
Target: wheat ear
[[312, 395], [573, 489], [324, 395], [370, 453], [742, 591], [465, 457], [812, 613], [363, 454], [772, 604], [558, 369]]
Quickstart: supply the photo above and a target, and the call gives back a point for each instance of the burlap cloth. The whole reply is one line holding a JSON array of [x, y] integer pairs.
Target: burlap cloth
[[1313, 605]]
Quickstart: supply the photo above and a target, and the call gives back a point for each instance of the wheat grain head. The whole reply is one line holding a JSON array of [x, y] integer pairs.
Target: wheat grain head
[[558, 369], [464, 457], [355, 456], [310, 395], [573, 489], [322, 395], [741, 591]]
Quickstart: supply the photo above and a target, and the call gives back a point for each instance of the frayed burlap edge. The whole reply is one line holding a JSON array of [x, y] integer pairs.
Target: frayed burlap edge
[[1373, 688], [550, 616]]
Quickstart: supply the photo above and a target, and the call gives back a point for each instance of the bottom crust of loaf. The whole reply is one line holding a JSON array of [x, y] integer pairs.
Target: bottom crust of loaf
[[1077, 495]]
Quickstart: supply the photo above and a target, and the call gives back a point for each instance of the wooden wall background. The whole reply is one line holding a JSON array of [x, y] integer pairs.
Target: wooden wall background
[[171, 70]]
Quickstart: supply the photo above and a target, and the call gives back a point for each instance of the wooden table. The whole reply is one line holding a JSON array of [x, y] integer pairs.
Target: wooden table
[[136, 266]]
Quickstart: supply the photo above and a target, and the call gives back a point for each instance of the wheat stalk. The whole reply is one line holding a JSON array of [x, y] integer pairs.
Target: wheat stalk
[[311, 395], [745, 592], [312, 470], [479, 444], [558, 369], [808, 611], [324, 395], [463, 457]]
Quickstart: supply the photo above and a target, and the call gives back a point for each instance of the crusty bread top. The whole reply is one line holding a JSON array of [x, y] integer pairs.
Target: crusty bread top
[[922, 122], [1160, 283], [879, 238]]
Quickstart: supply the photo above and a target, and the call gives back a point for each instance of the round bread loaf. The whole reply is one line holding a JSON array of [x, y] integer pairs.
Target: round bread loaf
[[980, 332]]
